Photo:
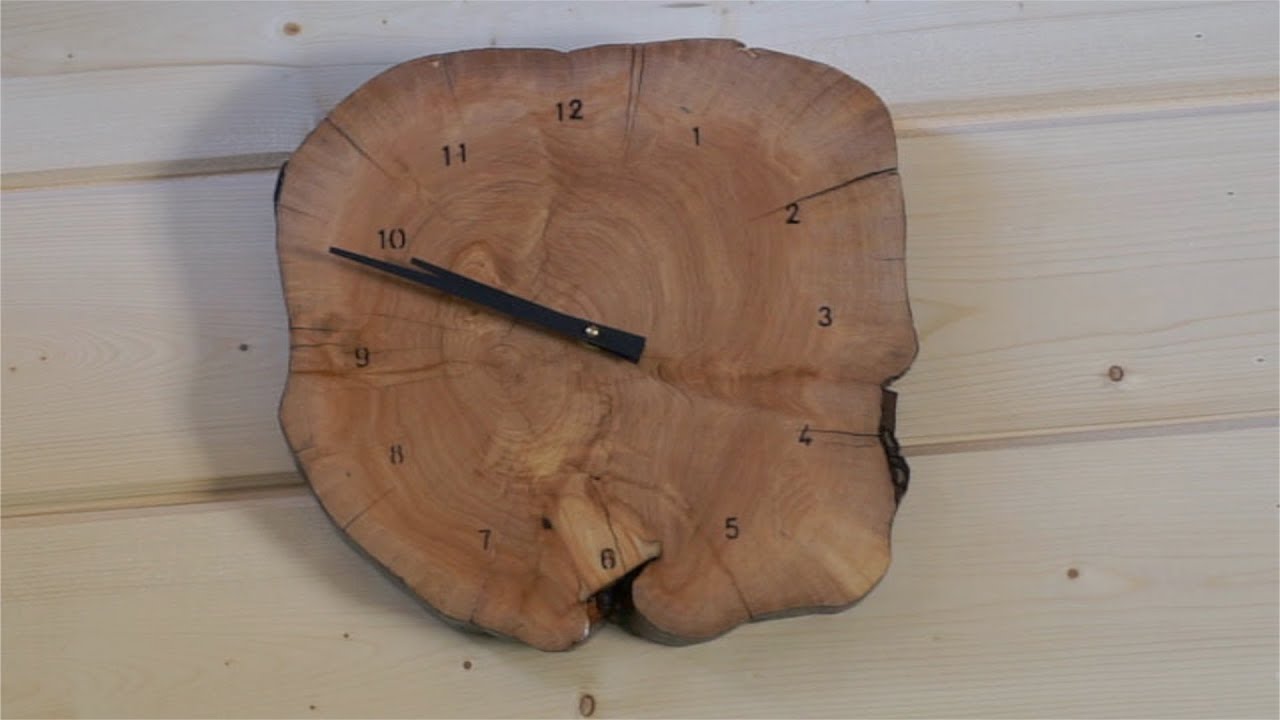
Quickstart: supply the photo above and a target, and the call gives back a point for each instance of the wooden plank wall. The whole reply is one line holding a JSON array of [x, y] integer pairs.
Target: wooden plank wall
[[1091, 531]]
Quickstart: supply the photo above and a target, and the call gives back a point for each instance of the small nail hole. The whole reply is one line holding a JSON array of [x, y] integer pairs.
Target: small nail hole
[[1116, 373], [1073, 573], [292, 28], [466, 664]]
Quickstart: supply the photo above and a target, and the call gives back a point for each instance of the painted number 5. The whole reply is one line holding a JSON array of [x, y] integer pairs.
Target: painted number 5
[[731, 529]]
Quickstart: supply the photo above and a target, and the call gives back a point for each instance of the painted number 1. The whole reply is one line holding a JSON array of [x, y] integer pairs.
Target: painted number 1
[[451, 155]]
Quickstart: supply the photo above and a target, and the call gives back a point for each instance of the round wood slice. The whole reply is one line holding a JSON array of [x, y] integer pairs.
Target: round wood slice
[[739, 208]]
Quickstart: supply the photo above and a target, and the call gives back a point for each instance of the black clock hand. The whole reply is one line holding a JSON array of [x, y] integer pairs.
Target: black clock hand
[[619, 342]]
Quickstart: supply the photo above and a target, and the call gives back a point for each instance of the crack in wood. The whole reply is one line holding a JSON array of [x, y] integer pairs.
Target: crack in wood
[[845, 184], [416, 321], [416, 375], [840, 78], [448, 77], [480, 592], [358, 148], [733, 580], [608, 519], [833, 188], [347, 525], [845, 432], [634, 82], [290, 208]]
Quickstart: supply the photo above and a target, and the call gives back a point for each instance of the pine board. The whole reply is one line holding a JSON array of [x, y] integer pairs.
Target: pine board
[[1037, 259], [226, 80], [256, 608]]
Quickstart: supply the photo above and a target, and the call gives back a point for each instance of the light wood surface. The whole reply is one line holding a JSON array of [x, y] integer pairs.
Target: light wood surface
[[256, 608], [193, 84], [1037, 258], [1090, 191]]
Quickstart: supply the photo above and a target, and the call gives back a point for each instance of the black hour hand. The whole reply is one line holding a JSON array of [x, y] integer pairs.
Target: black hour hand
[[618, 342]]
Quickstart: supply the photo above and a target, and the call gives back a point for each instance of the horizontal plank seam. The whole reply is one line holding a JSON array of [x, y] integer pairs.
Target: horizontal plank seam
[[907, 125], [143, 172], [169, 493], [922, 125], [1095, 433], [270, 484]]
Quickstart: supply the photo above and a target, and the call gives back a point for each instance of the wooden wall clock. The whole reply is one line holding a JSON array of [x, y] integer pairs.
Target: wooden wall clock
[[602, 334]]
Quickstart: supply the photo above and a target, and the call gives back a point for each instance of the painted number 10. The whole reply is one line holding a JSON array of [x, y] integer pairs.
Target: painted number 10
[[393, 239]]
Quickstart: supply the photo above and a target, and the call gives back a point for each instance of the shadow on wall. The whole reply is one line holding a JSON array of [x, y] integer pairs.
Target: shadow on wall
[[222, 230], [223, 238]]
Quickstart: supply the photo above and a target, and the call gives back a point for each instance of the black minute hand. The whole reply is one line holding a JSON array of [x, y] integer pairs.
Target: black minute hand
[[619, 342]]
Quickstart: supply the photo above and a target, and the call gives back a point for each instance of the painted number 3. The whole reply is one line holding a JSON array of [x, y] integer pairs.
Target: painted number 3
[[824, 316]]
